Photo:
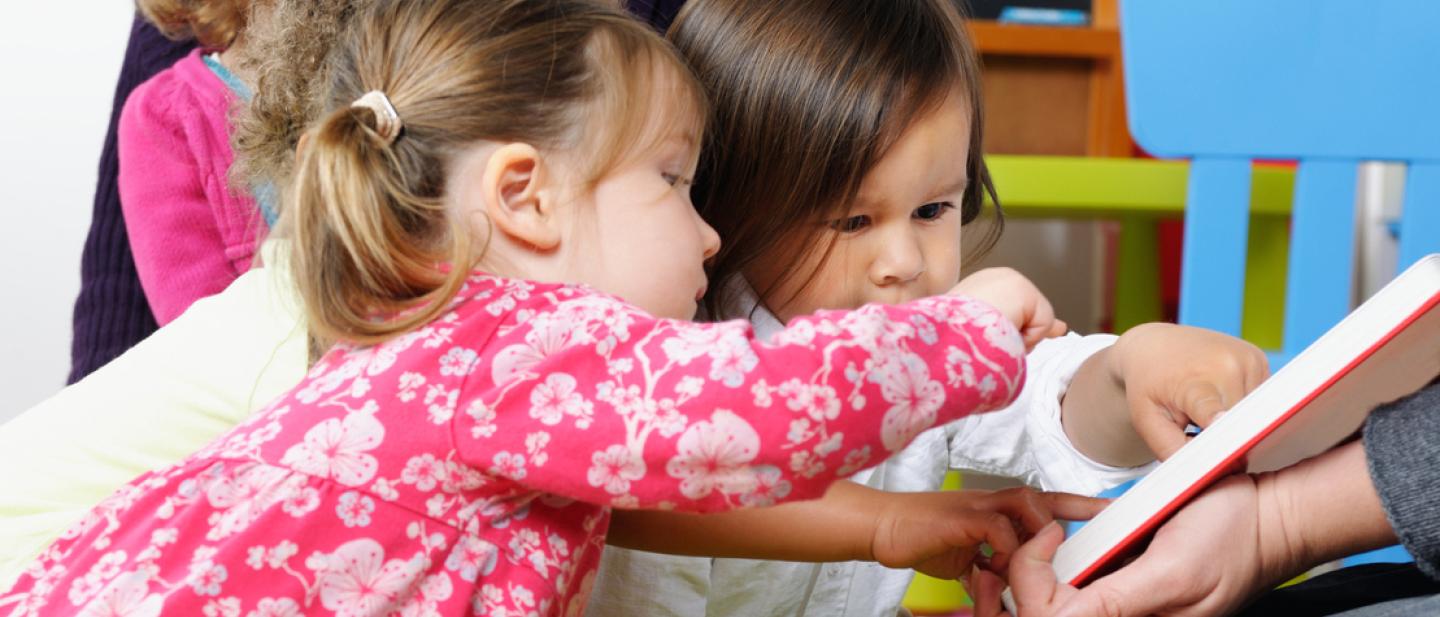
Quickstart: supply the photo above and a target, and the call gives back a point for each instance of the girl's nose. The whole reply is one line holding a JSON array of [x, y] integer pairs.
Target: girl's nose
[[898, 261], [709, 238]]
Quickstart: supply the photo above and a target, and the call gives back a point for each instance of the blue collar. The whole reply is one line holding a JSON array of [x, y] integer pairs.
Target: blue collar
[[264, 194]]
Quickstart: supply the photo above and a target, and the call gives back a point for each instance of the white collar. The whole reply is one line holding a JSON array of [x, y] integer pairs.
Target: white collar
[[741, 302]]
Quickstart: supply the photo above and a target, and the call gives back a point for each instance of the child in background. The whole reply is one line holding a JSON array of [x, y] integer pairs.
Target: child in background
[[843, 159], [191, 231], [462, 448], [111, 312]]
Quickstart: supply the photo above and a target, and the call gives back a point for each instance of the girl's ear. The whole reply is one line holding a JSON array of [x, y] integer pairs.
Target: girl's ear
[[300, 144], [512, 190]]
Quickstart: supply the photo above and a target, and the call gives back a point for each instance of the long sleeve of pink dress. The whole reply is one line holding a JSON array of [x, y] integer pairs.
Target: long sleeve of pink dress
[[470, 466]]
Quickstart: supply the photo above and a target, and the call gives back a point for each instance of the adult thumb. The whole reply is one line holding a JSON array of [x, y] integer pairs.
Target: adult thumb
[[1132, 591], [1032, 577]]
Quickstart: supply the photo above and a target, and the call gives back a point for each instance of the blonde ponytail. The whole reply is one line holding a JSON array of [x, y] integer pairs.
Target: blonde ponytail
[[376, 248], [363, 246]]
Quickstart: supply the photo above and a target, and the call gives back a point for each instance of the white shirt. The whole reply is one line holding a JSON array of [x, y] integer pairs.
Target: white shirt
[[1024, 441]]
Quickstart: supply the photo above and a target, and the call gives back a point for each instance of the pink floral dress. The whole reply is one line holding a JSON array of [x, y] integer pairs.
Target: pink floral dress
[[470, 467]]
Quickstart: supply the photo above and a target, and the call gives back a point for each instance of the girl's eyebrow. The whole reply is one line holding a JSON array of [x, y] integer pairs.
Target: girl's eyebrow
[[862, 201], [683, 138], [956, 186]]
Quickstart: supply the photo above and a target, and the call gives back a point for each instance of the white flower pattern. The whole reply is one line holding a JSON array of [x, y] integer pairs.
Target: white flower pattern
[[357, 581], [914, 399], [126, 596], [614, 468], [715, 455], [339, 449], [556, 398], [469, 465]]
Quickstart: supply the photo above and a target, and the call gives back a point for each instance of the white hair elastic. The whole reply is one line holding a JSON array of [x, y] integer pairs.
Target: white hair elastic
[[387, 120]]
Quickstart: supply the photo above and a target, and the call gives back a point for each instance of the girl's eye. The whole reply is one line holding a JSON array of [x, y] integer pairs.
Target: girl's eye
[[850, 224], [930, 212], [675, 179]]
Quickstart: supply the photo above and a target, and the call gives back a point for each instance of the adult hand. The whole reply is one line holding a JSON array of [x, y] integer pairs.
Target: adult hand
[[1244, 535], [1205, 561]]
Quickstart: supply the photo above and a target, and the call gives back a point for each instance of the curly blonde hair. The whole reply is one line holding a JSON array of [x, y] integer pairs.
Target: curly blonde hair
[[287, 54], [214, 23]]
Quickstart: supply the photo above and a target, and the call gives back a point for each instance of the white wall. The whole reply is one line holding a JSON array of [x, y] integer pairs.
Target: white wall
[[58, 65]]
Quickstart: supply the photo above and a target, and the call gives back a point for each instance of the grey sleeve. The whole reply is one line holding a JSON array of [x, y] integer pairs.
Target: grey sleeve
[[1402, 447]]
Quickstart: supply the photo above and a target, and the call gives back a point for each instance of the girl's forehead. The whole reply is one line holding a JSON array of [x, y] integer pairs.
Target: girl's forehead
[[650, 103], [670, 106], [670, 133], [928, 160]]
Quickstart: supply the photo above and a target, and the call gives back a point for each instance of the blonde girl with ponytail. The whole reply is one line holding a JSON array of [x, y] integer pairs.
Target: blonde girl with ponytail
[[491, 221]]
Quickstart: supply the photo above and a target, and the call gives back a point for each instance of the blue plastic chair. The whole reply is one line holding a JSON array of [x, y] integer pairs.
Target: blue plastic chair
[[1329, 83]]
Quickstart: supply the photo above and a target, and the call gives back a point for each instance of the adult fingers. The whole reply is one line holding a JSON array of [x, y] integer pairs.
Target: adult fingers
[[1136, 590], [985, 588], [1032, 577]]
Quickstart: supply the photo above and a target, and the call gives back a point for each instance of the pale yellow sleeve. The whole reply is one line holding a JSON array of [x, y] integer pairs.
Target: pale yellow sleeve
[[192, 380]]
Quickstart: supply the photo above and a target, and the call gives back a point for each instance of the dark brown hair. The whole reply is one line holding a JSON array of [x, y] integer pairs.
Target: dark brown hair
[[370, 221], [214, 23], [807, 96]]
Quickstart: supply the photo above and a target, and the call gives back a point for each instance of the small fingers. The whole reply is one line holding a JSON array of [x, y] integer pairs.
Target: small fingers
[[997, 531], [1066, 506], [1059, 328], [1041, 321], [1257, 370], [1025, 506], [1202, 402], [1161, 430]]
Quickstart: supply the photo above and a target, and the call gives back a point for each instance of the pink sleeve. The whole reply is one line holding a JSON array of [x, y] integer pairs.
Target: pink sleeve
[[594, 400], [179, 249]]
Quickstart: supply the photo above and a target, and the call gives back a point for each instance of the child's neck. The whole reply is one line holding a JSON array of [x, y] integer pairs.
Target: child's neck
[[233, 59], [514, 264]]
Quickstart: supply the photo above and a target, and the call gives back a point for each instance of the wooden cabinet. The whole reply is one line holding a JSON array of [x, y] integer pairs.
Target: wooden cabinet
[[1054, 89]]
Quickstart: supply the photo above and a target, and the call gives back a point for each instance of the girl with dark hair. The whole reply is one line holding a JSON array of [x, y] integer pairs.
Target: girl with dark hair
[[842, 162]]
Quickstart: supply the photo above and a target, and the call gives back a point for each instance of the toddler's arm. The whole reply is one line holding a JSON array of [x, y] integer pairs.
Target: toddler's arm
[[934, 532], [593, 399], [1027, 440]]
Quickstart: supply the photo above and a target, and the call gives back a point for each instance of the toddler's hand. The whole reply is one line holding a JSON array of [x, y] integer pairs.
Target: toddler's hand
[[1178, 375], [1016, 298], [939, 533]]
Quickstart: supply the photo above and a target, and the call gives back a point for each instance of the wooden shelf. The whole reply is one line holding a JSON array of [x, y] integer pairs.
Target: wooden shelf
[[1045, 41], [1054, 90]]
